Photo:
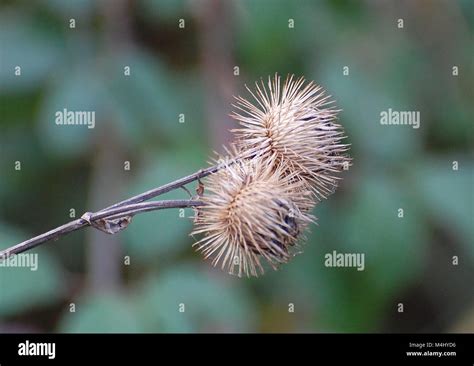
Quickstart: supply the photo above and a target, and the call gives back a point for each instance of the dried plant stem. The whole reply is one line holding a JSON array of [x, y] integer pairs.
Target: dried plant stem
[[128, 207], [134, 208], [117, 212], [167, 187]]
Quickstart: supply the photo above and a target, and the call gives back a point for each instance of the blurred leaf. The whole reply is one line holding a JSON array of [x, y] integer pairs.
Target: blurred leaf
[[325, 299], [362, 101], [101, 314], [209, 304], [162, 233], [146, 102], [448, 195], [159, 233], [77, 90], [467, 12], [401, 73], [453, 126], [25, 45], [72, 8], [348, 300], [393, 246], [22, 288], [264, 40]]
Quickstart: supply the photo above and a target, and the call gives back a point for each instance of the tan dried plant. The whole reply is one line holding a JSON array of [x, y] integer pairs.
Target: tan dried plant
[[256, 202], [296, 123], [286, 157], [253, 211]]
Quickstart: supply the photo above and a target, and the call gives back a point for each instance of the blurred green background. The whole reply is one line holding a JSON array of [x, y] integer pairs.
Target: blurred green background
[[190, 72]]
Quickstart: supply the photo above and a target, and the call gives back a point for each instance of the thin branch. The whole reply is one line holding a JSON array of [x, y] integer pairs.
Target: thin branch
[[167, 187], [179, 182], [135, 208], [122, 209], [117, 212], [52, 234]]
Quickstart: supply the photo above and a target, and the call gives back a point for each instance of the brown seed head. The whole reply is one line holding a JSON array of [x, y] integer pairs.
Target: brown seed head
[[295, 125], [252, 211]]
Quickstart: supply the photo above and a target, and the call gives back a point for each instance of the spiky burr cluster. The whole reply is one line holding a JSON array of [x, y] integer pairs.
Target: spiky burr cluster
[[295, 123], [287, 154], [254, 211]]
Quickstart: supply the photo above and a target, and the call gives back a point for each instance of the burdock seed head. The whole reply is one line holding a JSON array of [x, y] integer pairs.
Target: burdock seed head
[[296, 124], [252, 211]]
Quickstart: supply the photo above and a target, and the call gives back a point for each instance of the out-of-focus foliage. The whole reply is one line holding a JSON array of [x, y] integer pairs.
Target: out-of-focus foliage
[[408, 260], [22, 289]]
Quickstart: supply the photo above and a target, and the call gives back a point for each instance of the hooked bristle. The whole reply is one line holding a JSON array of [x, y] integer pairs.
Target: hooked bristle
[[294, 124], [252, 211]]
